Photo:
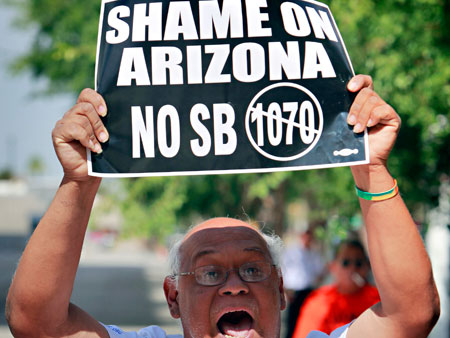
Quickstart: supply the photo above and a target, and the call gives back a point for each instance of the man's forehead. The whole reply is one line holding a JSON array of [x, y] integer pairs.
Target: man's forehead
[[208, 236], [224, 224]]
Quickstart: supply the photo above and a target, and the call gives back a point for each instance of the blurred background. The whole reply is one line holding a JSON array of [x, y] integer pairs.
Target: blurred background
[[47, 55]]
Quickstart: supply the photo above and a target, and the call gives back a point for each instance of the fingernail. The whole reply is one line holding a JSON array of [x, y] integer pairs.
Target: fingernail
[[351, 120], [103, 137], [91, 145], [98, 149], [102, 110], [352, 85], [370, 123], [358, 128]]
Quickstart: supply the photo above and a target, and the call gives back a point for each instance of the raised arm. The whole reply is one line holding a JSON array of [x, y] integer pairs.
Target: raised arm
[[38, 303], [409, 304]]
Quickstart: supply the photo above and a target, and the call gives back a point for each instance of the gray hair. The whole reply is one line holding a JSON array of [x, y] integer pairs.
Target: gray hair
[[274, 244]]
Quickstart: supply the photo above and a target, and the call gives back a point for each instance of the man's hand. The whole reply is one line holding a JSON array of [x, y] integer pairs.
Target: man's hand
[[38, 303], [370, 110], [80, 128], [395, 247]]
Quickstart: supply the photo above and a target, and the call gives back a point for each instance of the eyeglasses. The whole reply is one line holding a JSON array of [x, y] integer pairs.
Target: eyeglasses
[[211, 275], [357, 263]]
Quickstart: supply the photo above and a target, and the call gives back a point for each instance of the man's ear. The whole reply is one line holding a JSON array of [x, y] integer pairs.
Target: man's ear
[[171, 292], [282, 294]]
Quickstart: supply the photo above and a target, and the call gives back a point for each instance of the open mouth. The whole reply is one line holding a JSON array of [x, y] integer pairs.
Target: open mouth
[[235, 324]]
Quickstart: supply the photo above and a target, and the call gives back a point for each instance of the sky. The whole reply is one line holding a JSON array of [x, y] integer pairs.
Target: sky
[[27, 116]]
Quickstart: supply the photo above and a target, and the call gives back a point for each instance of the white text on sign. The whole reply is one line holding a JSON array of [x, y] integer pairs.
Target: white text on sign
[[168, 123]]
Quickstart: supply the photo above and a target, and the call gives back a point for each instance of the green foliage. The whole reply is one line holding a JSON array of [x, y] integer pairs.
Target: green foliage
[[151, 205], [6, 174], [65, 42], [36, 165], [328, 192], [403, 44]]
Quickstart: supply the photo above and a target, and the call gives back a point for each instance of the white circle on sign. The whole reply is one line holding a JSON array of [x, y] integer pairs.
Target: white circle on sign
[[304, 130]]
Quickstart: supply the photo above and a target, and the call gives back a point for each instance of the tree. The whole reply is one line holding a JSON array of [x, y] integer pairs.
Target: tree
[[6, 174], [403, 44], [64, 46], [36, 165], [405, 47]]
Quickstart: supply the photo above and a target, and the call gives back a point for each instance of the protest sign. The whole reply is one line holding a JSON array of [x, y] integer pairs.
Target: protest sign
[[230, 86]]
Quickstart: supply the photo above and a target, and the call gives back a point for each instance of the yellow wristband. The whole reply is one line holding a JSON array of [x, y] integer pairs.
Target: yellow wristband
[[380, 196]]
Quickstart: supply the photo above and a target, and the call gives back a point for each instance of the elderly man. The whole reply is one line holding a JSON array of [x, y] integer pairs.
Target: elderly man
[[226, 282]]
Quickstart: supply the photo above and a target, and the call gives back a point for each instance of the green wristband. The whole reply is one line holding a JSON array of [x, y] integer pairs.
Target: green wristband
[[380, 196]]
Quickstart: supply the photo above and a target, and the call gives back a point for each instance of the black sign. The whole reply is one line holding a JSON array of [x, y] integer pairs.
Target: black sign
[[197, 87]]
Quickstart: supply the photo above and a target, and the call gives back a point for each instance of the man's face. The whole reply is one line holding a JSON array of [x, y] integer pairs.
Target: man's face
[[235, 308], [350, 269]]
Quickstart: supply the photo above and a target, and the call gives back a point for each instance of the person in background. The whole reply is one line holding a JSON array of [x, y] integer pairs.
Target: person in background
[[331, 306], [303, 269]]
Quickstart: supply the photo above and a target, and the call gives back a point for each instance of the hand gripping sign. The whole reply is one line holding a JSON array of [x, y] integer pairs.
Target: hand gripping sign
[[229, 86]]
